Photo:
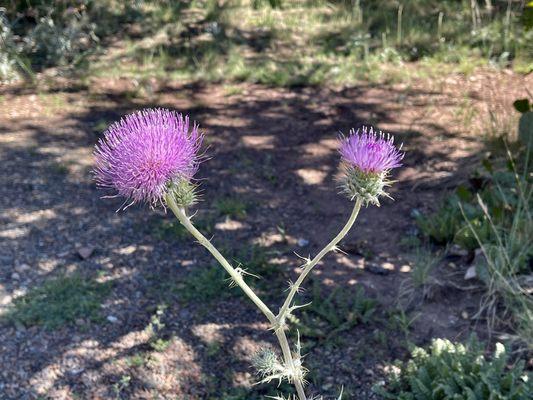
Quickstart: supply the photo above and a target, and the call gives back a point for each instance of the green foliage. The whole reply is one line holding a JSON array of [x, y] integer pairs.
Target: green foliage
[[233, 41], [60, 301], [498, 192], [493, 214], [455, 371], [171, 229], [56, 35], [527, 16], [231, 207], [206, 284], [327, 316], [400, 320], [421, 281], [506, 267], [447, 225]]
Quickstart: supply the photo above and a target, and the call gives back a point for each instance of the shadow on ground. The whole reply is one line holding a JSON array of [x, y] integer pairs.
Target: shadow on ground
[[274, 151]]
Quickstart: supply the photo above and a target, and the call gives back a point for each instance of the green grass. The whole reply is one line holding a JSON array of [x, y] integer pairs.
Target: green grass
[[329, 315], [213, 282], [206, 284], [231, 207], [171, 229], [137, 360], [492, 213], [320, 42], [421, 281], [61, 301], [505, 268]]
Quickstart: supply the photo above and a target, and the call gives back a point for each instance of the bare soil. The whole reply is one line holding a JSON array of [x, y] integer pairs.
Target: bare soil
[[275, 150]]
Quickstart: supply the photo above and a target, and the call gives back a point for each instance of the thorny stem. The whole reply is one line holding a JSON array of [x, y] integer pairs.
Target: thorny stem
[[310, 264], [237, 278], [287, 356]]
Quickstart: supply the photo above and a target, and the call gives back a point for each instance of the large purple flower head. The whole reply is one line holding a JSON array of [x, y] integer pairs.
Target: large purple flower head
[[368, 157], [146, 154]]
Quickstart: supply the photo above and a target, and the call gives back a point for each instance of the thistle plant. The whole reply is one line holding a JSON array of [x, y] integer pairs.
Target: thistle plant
[[151, 156]]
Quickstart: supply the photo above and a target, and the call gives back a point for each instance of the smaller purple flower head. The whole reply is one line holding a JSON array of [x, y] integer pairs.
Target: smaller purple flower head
[[148, 153], [368, 157]]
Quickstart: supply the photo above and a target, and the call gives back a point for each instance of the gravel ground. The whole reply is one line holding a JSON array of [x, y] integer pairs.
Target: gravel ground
[[157, 332]]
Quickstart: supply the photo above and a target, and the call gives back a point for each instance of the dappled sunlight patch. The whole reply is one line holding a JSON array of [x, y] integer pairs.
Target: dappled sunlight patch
[[350, 262], [14, 233], [22, 139], [172, 369], [245, 347], [312, 176], [130, 340], [405, 268], [34, 217], [126, 250], [263, 142], [5, 299], [46, 266], [230, 225], [210, 333], [324, 147]]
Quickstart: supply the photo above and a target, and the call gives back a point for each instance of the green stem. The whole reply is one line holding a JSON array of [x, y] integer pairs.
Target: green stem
[[287, 356], [237, 278], [309, 265]]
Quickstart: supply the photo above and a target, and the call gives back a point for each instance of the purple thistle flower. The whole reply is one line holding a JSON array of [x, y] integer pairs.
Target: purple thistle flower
[[143, 153], [370, 152], [368, 158]]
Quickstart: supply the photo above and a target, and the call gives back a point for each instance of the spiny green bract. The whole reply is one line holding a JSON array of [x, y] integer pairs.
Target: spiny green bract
[[266, 362], [456, 371], [367, 186], [184, 192]]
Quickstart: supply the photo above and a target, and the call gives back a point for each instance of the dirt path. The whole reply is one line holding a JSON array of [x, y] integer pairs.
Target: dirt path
[[275, 151]]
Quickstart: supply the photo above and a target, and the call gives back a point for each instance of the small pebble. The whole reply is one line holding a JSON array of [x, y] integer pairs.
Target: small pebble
[[22, 268], [85, 252], [470, 273], [303, 242]]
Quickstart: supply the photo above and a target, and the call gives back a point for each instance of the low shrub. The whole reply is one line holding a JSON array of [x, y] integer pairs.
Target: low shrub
[[458, 371]]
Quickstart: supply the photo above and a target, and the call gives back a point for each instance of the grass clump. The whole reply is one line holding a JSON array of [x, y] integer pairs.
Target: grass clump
[[496, 185], [205, 284], [171, 230], [60, 302], [327, 316], [493, 216], [422, 282], [455, 371], [506, 269], [231, 207]]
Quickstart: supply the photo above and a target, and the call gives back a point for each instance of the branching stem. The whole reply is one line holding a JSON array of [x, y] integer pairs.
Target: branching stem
[[277, 322], [310, 264], [237, 278]]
